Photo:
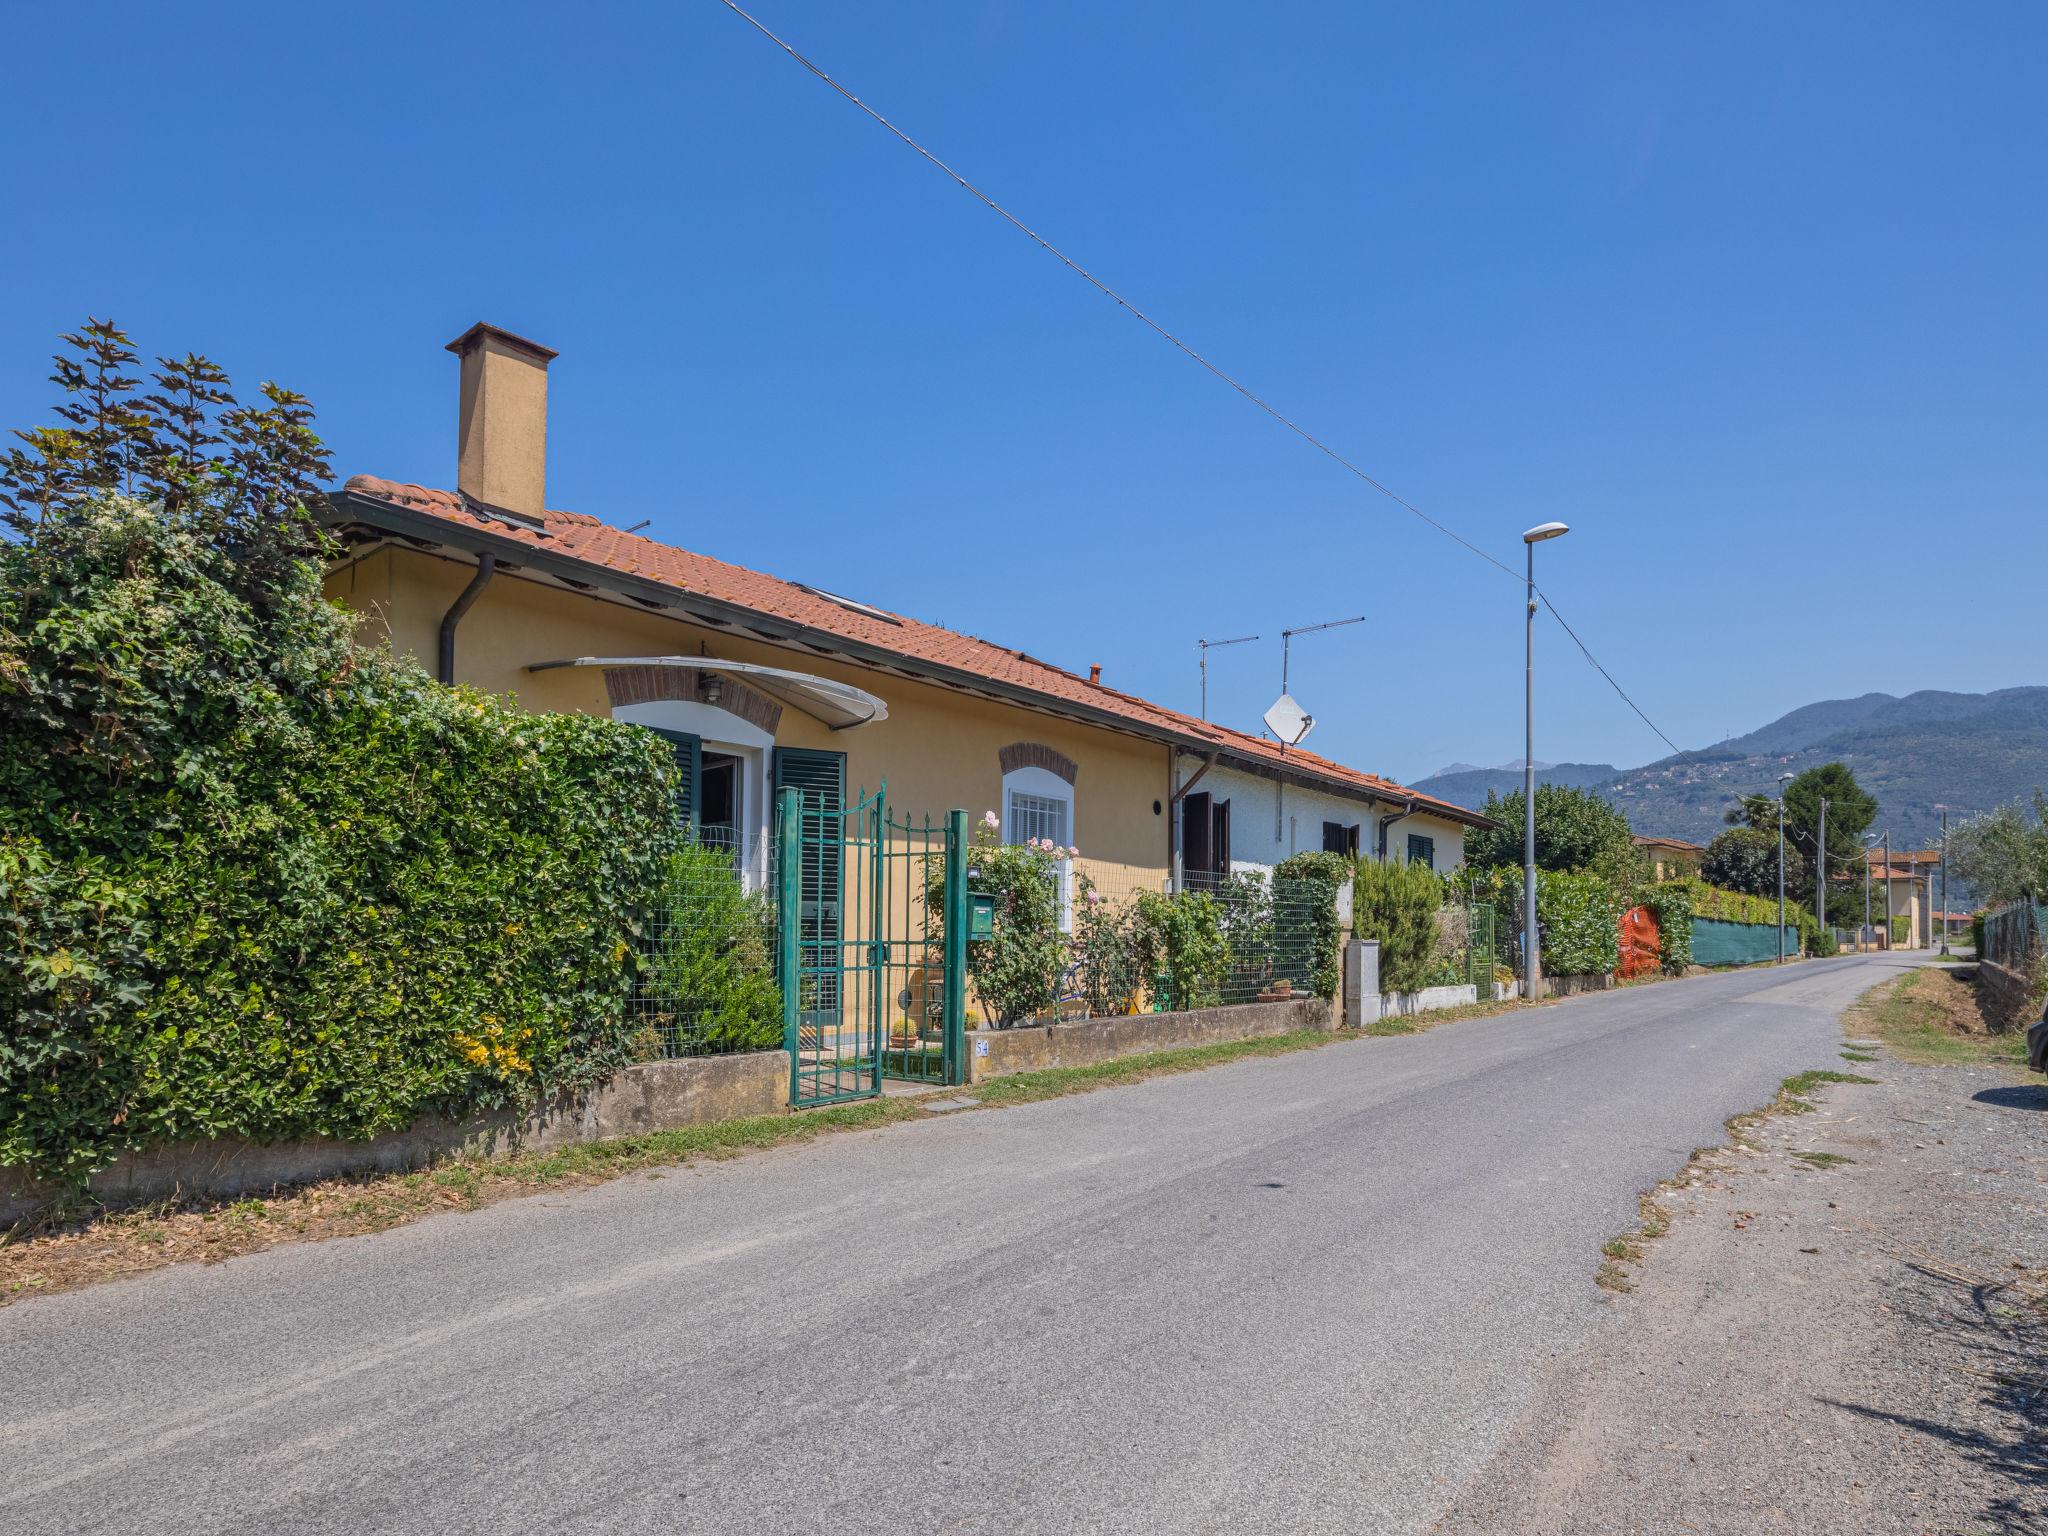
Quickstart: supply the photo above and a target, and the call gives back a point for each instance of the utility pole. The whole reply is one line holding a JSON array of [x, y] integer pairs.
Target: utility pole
[[1532, 936], [1887, 888], [1944, 879], [1783, 779], [1820, 868], [1912, 894], [1209, 645], [1863, 938]]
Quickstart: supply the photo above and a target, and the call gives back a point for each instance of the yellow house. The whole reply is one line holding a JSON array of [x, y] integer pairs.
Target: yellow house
[[760, 682]]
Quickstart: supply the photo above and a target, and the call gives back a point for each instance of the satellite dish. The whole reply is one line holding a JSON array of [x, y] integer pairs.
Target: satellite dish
[[1289, 721]]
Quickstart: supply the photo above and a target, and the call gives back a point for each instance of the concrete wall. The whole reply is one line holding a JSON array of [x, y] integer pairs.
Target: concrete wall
[[997, 1052], [655, 1096], [1270, 821], [938, 748], [2009, 1000]]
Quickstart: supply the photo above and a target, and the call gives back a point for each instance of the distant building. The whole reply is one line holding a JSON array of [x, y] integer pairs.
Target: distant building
[[1671, 858]]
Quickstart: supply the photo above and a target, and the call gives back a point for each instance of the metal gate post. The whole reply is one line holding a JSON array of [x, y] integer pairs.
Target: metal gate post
[[878, 934], [955, 922], [789, 910]]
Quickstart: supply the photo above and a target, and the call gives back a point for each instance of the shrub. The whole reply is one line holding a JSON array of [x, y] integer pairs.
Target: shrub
[[1016, 970], [1396, 904], [1672, 903], [258, 882], [1178, 939], [709, 969], [351, 897], [1106, 950], [1304, 902], [1580, 920]]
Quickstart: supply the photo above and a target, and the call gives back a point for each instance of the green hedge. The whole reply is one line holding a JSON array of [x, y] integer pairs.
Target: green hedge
[[257, 882], [1580, 919], [1396, 904], [1672, 903]]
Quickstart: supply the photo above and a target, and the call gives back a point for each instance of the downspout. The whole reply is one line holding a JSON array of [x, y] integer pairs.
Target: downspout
[[486, 566], [1387, 822]]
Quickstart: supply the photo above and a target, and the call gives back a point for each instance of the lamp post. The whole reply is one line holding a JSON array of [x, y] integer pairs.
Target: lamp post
[[1532, 944], [1783, 780]]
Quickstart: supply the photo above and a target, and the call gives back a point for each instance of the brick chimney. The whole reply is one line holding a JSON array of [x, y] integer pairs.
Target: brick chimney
[[1095, 674], [502, 453]]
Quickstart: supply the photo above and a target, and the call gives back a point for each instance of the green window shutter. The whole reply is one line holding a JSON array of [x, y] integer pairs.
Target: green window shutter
[[689, 751], [820, 777], [1422, 850]]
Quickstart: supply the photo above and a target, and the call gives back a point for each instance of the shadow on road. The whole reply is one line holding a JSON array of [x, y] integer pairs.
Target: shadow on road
[[2002, 1339], [2019, 1096]]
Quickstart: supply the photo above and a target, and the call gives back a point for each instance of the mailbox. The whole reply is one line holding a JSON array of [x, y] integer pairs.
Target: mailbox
[[981, 915]]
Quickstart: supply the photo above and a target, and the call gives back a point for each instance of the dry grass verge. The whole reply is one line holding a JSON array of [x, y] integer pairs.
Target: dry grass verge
[[64, 1249], [1930, 1017]]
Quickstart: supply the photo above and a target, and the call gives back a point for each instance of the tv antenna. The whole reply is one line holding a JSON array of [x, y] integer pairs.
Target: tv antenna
[[1287, 720], [1207, 646]]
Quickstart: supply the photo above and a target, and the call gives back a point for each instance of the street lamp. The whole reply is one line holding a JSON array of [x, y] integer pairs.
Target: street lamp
[[1783, 780], [1532, 960]]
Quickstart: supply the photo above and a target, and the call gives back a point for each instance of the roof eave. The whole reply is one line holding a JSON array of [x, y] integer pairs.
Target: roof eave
[[353, 507]]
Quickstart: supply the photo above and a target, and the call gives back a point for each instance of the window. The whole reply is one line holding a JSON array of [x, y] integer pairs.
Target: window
[[1341, 837], [1422, 850], [1039, 803], [1037, 816]]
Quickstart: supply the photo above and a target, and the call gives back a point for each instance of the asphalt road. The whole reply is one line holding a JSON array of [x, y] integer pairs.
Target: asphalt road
[[1303, 1294]]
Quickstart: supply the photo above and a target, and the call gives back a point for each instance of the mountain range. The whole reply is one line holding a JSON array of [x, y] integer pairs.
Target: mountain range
[[1970, 751]]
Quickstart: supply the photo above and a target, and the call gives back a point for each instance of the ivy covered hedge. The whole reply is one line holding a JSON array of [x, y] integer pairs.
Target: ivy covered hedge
[[255, 881]]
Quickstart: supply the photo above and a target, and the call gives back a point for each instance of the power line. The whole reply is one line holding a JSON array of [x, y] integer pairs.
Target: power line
[[1125, 304]]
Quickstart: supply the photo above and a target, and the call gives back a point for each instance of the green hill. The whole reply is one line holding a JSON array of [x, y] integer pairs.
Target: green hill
[[1971, 751]]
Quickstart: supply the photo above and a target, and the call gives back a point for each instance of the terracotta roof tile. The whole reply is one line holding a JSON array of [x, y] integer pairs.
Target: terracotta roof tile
[[581, 537]]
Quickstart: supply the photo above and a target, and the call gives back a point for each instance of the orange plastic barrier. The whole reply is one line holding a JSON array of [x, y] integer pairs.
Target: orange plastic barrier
[[1641, 943]]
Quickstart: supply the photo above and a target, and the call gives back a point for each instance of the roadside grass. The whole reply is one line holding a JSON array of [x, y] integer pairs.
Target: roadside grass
[[1930, 1017], [79, 1243], [1653, 1218]]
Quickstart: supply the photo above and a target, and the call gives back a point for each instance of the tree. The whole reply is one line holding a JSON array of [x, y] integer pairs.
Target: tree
[[1575, 829], [1851, 809], [2003, 854], [1746, 859]]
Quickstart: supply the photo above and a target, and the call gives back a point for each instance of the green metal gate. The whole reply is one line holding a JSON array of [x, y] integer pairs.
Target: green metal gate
[[872, 951], [1480, 949]]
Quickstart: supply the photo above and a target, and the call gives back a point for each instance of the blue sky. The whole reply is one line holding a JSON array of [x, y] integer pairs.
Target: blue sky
[[1751, 295]]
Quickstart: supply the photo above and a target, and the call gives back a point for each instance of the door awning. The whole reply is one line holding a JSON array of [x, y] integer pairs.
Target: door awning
[[839, 705]]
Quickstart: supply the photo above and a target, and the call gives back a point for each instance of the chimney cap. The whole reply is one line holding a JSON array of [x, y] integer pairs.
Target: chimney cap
[[1095, 674], [483, 331]]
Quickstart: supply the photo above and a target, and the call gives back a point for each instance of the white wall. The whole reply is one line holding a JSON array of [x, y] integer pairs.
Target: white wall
[[1264, 830]]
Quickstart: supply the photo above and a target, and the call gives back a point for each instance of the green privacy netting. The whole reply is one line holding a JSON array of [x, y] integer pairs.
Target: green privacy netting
[[1717, 943]]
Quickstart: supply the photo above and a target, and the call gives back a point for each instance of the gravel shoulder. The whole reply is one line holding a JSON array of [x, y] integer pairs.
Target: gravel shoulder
[[1817, 1346]]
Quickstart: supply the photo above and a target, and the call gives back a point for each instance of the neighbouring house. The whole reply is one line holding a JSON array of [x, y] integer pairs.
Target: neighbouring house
[[761, 683], [1671, 858], [1238, 814], [1909, 879]]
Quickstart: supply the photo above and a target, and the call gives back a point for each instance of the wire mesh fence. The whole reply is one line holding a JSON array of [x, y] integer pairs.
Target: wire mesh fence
[[706, 984], [1254, 936], [2012, 935]]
